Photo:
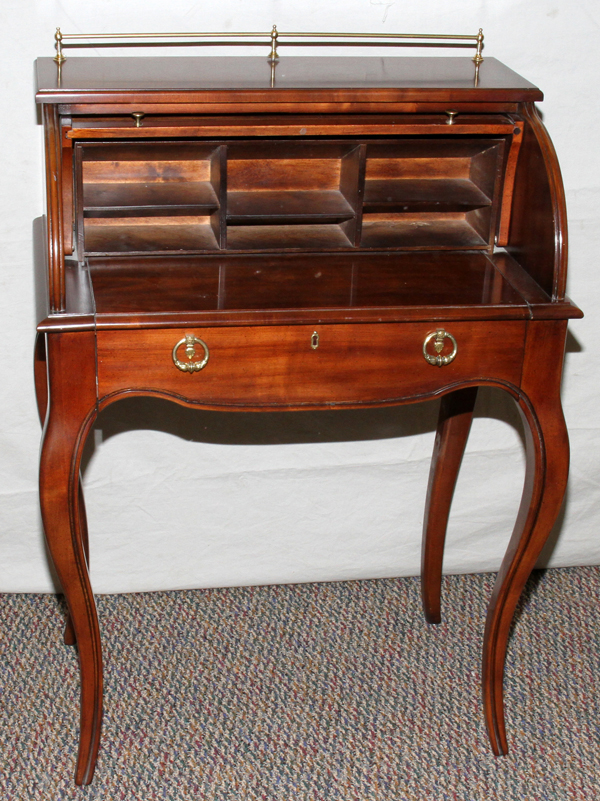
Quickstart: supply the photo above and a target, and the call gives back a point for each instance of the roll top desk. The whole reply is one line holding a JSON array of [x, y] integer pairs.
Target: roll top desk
[[319, 233]]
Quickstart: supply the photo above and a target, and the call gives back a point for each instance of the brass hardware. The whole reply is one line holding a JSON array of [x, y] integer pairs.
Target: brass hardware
[[274, 37], [438, 343], [478, 58], [451, 115], [59, 57], [314, 340], [190, 341], [138, 116], [273, 54]]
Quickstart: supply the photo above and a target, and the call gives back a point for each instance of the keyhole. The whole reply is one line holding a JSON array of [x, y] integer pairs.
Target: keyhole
[[314, 340]]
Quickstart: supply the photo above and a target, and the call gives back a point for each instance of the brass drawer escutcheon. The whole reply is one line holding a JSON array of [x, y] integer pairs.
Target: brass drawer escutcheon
[[438, 343], [190, 342]]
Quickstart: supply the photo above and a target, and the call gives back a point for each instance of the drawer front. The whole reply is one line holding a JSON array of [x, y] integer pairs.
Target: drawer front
[[296, 365]]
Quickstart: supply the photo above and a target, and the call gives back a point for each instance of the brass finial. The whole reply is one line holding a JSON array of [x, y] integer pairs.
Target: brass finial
[[478, 58], [273, 54], [59, 57]]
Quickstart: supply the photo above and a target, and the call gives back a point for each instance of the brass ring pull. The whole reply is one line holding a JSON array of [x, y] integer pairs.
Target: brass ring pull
[[439, 336], [190, 342]]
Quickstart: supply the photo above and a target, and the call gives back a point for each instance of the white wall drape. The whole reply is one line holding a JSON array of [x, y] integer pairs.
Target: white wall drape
[[181, 499]]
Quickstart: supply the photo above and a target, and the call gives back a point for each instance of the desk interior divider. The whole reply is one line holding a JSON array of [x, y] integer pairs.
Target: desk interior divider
[[401, 193]]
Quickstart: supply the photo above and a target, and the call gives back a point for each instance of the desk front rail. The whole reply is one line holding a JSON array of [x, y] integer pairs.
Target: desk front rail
[[301, 365]]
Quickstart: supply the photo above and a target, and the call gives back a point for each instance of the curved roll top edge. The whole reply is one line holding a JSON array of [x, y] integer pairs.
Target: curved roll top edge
[[538, 236]]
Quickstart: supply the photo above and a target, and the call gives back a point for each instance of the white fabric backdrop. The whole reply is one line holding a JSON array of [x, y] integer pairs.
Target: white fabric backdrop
[[179, 499]]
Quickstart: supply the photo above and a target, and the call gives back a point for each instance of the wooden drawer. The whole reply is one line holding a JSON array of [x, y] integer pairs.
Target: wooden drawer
[[254, 367]]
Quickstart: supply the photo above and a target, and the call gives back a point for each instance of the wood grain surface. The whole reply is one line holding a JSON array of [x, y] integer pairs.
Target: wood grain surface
[[275, 366], [310, 226]]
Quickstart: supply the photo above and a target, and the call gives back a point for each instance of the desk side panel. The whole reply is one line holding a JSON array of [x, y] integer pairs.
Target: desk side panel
[[538, 229]]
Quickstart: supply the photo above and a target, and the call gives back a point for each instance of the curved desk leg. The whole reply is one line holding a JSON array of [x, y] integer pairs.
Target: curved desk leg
[[547, 453], [69, 636], [41, 391], [454, 424], [71, 412]]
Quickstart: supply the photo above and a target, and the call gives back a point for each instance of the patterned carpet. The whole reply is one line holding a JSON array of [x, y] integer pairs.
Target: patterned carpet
[[320, 692]]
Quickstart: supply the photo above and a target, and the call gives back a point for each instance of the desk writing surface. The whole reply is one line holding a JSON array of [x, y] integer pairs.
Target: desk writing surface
[[290, 281]]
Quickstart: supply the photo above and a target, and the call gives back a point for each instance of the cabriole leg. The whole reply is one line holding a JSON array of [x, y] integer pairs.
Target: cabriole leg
[[71, 412], [69, 634], [547, 454], [454, 424], [41, 393]]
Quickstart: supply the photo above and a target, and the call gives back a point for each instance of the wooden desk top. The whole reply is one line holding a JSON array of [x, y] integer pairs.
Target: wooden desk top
[[392, 78]]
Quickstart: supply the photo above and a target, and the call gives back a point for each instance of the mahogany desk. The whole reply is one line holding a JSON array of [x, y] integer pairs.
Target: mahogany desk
[[364, 232]]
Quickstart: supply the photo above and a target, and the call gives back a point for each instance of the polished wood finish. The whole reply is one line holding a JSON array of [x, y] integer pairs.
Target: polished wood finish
[[71, 413], [55, 229], [299, 81], [276, 367], [454, 424], [361, 288], [547, 467], [538, 233], [181, 197], [314, 227], [210, 127]]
